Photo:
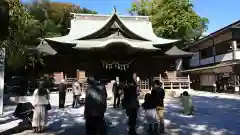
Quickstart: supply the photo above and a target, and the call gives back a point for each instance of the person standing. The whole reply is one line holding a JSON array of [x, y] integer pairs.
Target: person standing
[[76, 89], [158, 95], [131, 105], [95, 107], [150, 114], [40, 102], [116, 93], [62, 93]]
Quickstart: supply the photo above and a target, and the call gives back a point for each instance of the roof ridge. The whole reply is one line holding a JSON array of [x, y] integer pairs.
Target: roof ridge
[[102, 15]]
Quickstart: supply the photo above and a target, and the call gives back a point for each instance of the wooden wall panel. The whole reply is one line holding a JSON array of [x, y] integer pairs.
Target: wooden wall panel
[[81, 76], [202, 45], [223, 37], [236, 34]]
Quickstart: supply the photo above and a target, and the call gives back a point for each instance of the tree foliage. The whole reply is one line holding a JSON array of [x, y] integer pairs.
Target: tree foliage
[[172, 18], [55, 16], [30, 21], [23, 32]]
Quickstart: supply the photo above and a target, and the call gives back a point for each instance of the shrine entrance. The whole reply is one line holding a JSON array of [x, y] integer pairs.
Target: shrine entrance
[[117, 59], [111, 74]]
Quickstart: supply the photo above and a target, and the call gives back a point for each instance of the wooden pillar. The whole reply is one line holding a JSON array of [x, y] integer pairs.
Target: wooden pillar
[[180, 86], [178, 65], [214, 51], [236, 86], [234, 48], [189, 82], [160, 79]]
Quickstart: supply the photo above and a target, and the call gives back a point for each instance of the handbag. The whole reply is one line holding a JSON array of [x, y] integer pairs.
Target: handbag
[[48, 107]]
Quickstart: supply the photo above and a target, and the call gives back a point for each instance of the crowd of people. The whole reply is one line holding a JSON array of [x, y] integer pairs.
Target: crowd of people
[[125, 94]]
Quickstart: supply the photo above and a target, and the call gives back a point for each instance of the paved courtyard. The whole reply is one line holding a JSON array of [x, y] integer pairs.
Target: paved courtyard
[[216, 114]]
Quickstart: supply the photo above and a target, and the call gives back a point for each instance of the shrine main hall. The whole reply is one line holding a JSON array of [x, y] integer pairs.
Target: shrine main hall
[[113, 45]]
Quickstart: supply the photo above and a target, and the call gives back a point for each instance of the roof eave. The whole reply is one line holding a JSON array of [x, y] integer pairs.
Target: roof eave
[[175, 51], [123, 41], [226, 28]]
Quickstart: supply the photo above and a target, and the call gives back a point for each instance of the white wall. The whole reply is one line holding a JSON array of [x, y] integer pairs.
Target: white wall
[[224, 57], [194, 61], [206, 61], [238, 54]]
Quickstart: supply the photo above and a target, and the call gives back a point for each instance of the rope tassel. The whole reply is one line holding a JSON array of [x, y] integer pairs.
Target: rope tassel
[[116, 65]]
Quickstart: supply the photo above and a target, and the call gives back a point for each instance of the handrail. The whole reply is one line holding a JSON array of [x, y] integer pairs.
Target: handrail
[[172, 82]]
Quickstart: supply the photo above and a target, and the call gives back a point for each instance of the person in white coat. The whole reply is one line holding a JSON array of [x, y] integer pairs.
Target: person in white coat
[[40, 102], [77, 92]]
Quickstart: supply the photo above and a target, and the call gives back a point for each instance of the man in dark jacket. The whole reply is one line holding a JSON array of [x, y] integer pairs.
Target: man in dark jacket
[[116, 93], [95, 107], [158, 95], [131, 105], [62, 93]]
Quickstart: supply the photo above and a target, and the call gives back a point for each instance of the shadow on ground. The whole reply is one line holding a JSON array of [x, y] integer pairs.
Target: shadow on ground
[[213, 115]]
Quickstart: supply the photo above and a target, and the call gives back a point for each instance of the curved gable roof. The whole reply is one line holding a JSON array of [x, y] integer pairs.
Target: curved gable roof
[[114, 18], [90, 24]]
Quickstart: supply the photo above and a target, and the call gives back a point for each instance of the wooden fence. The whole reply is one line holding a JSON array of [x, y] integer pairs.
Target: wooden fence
[[173, 83], [180, 83]]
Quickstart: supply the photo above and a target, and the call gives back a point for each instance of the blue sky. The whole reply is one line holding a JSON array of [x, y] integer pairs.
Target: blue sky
[[219, 12]]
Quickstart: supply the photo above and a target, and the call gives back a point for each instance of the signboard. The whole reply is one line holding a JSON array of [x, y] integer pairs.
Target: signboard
[[2, 67]]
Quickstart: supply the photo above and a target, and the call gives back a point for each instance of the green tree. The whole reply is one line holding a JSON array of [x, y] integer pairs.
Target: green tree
[[54, 16], [23, 33], [31, 21], [172, 18]]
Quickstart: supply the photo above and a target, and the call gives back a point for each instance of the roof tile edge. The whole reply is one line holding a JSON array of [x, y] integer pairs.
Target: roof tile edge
[[213, 34], [101, 15]]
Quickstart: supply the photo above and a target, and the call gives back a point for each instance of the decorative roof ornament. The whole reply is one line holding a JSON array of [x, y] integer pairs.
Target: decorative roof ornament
[[115, 9]]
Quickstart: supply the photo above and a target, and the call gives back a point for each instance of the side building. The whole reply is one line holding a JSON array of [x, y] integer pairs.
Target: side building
[[216, 61]]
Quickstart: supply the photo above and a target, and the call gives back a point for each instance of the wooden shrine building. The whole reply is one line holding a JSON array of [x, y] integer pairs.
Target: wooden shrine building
[[111, 45]]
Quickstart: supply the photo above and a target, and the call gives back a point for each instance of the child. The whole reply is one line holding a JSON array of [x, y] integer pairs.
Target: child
[[150, 113], [187, 104]]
